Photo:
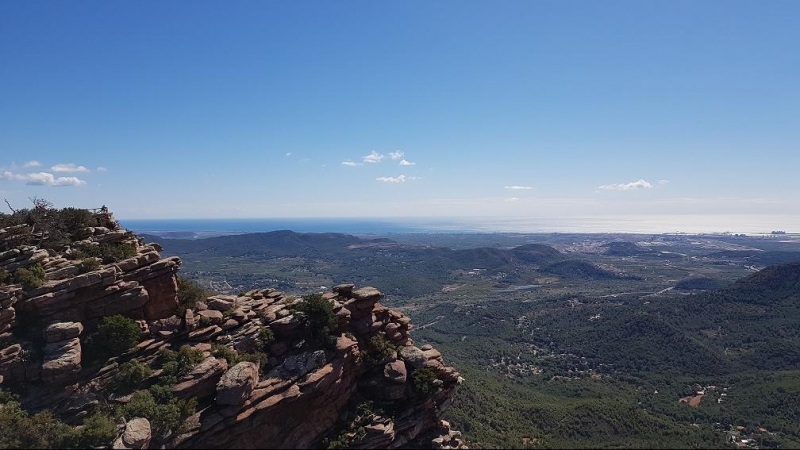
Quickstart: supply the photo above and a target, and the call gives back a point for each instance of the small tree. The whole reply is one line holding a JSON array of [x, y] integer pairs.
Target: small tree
[[320, 318], [114, 336]]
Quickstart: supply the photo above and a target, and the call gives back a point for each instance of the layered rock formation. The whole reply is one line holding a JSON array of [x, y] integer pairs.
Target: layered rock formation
[[309, 390]]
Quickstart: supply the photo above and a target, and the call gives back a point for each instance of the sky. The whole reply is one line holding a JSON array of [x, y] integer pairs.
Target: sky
[[528, 109]]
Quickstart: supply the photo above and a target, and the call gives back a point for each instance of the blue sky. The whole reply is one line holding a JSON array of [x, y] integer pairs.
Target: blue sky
[[499, 109]]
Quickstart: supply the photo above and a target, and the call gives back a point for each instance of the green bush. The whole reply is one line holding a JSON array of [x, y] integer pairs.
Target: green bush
[[378, 350], [189, 293], [233, 357], [97, 430], [88, 265], [130, 376], [175, 365], [115, 335], [320, 318], [424, 379], [108, 253], [159, 406], [5, 277], [31, 277], [265, 337], [18, 429]]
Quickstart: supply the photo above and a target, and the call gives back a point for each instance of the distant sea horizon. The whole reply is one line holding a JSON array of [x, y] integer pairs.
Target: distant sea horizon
[[683, 224]]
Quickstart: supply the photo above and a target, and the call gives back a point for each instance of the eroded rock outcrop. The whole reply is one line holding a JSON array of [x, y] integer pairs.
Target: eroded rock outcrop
[[265, 377]]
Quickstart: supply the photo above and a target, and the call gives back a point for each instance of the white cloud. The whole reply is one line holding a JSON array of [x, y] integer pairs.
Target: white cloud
[[641, 184], [351, 164], [407, 163], [68, 168], [102, 169], [33, 163], [397, 179], [289, 154], [512, 199], [396, 155], [662, 182], [68, 181], [519, 188], [42, 179], [373, 157]]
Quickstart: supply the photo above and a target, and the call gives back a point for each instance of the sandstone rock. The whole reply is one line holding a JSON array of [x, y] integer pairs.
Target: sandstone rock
[[212, 315], [61, 360], [202, 380], [137, 435], [229, 324], [288, 326], [395, 372], [344, 289], [61, 331], [413, 356], [367, 293], [222, 302], [237, 383]]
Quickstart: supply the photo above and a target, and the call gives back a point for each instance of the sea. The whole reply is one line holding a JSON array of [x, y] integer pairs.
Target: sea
[[651, 224]]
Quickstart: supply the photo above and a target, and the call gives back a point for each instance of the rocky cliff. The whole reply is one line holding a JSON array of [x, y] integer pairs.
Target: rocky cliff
[[261, 369]]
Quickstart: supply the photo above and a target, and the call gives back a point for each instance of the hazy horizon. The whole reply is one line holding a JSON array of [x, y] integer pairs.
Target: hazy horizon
[[753, 225]]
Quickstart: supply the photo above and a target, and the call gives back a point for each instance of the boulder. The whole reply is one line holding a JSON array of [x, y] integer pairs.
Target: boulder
[[367, 293], [62, 331], [237, 384], [202, 380], [137, 435], [61, 359], [395, 372], [212, 315], [413, 356]]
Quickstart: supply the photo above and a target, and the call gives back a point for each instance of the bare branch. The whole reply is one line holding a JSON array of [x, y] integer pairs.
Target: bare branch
[[9, 206]]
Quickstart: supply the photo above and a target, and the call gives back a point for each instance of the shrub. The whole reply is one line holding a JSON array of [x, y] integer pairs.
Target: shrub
[[424, 381], [378, 350], [129, 376], [96, 430], [5, 277], [190, 293], [88, 265], [159, 406], [265, 337], [177, 364], [107, 253], [233, 357], [31, 277], [114, 336], [225, 352], [320, 318]]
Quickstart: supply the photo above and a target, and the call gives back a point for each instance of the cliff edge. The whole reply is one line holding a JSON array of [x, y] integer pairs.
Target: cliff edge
[[96, 326]]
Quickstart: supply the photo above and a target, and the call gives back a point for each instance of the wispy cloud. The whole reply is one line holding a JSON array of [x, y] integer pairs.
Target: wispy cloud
[[519, 188], [396, 155], [289, 154], [68, 168], [102, 169], [662, 182], [407, 163], [41, 179], [373, 158], [351, 164], [397, 179], [33, 163], [641, 184], [512, 199]]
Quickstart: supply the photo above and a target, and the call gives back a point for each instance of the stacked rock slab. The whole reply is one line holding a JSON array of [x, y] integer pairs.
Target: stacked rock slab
[[142, 287]]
